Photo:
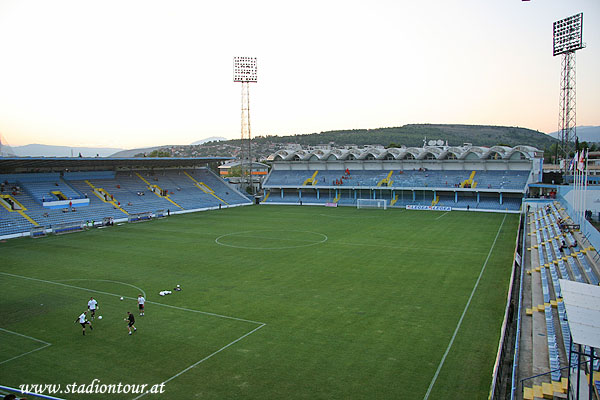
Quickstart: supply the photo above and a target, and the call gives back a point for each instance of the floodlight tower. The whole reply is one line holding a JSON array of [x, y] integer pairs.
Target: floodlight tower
[[244, 71], [568, 38]]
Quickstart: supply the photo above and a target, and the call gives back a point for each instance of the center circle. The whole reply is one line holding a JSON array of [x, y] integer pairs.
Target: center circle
[[271, 239]]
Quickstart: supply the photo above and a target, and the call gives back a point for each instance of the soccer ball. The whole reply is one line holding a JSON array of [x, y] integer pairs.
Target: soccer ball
[[121, 298], [99, 316]]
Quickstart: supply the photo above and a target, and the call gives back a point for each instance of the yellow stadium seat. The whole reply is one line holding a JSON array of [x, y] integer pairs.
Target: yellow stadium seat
[[557, 386]]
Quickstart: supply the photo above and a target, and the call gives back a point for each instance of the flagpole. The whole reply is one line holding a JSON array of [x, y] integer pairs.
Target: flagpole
[[581, 195], [581, 189], [586, 185], [581, 183], [578, 191], [575, 182]]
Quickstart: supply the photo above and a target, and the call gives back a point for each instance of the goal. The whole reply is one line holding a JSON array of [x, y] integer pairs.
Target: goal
[[371, 203], [68, 227], [140, 217], [37, 232]]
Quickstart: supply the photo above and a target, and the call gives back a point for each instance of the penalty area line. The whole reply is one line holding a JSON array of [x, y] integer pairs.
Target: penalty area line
[[205, 358], [133, 298], [46, 344]]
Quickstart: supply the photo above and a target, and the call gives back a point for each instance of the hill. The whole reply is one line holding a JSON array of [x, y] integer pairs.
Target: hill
[[407, 135], [135, 152], [585, 134], [414, 134], [209, 139], [43, 150]]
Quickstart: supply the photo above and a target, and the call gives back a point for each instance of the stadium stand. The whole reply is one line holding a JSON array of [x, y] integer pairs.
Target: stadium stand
[[555, 253], [325, 186], [51, 199], [467, 177]]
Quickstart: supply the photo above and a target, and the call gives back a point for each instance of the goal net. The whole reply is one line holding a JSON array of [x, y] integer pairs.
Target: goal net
[[139, 217], [38, 231], [68, 227], [371, 203]]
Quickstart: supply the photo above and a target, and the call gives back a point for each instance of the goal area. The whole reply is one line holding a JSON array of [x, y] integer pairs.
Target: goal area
[[371, 203]]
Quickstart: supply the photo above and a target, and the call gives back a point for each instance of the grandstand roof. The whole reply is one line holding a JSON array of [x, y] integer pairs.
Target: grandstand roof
[[582, 302], [418, 153], [9, 164]]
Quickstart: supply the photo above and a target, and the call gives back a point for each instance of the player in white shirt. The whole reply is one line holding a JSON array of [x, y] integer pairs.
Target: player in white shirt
[[141, 300], [92, 306], [83, 321]]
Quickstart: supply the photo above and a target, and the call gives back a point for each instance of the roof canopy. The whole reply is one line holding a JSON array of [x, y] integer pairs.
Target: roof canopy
[[9, 164], [582, 302], [418, 153]]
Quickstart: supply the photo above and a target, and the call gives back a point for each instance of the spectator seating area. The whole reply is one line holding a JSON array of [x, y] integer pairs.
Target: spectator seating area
[[478, 190], [555, 254], [496, 180], [47, 199]]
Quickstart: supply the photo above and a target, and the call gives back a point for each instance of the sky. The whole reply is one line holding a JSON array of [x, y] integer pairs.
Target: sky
[[130, 74]]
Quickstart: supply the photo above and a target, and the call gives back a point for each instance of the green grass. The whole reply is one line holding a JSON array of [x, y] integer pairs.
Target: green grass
[[358, 304]]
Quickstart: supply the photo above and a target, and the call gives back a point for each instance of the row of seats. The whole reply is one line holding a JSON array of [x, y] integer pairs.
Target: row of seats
[[562, 256], [127, 193], [398, 179]]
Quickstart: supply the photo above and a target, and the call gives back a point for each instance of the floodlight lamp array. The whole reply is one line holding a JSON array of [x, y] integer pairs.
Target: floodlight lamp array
[[244, 69], [568, 34]]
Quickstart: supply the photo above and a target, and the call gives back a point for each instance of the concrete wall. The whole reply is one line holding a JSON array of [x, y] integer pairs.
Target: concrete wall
[[591, 196]]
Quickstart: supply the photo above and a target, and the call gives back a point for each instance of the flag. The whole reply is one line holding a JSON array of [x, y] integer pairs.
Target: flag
[[573, 161], [581, 165], [571, 164]]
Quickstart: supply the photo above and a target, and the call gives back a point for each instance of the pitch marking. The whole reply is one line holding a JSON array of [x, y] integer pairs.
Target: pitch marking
[[310, 242], [437, 372], [46, 344], [442, 215], [131, 298], [261, 324], [205, 358], [105, 280]]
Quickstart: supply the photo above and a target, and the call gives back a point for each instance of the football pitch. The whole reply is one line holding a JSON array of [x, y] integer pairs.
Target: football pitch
[[277, 302]]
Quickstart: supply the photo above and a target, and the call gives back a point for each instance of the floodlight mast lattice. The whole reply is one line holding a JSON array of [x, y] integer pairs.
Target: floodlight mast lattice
[[244, 71], [567, 38]]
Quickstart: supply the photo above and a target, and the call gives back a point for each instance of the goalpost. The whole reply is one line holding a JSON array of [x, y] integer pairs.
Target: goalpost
[[140, 217], [37, 231], [371, 203], [68, 227]]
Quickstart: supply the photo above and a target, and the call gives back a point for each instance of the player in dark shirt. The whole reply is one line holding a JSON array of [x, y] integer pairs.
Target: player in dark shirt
[[131, 320]]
